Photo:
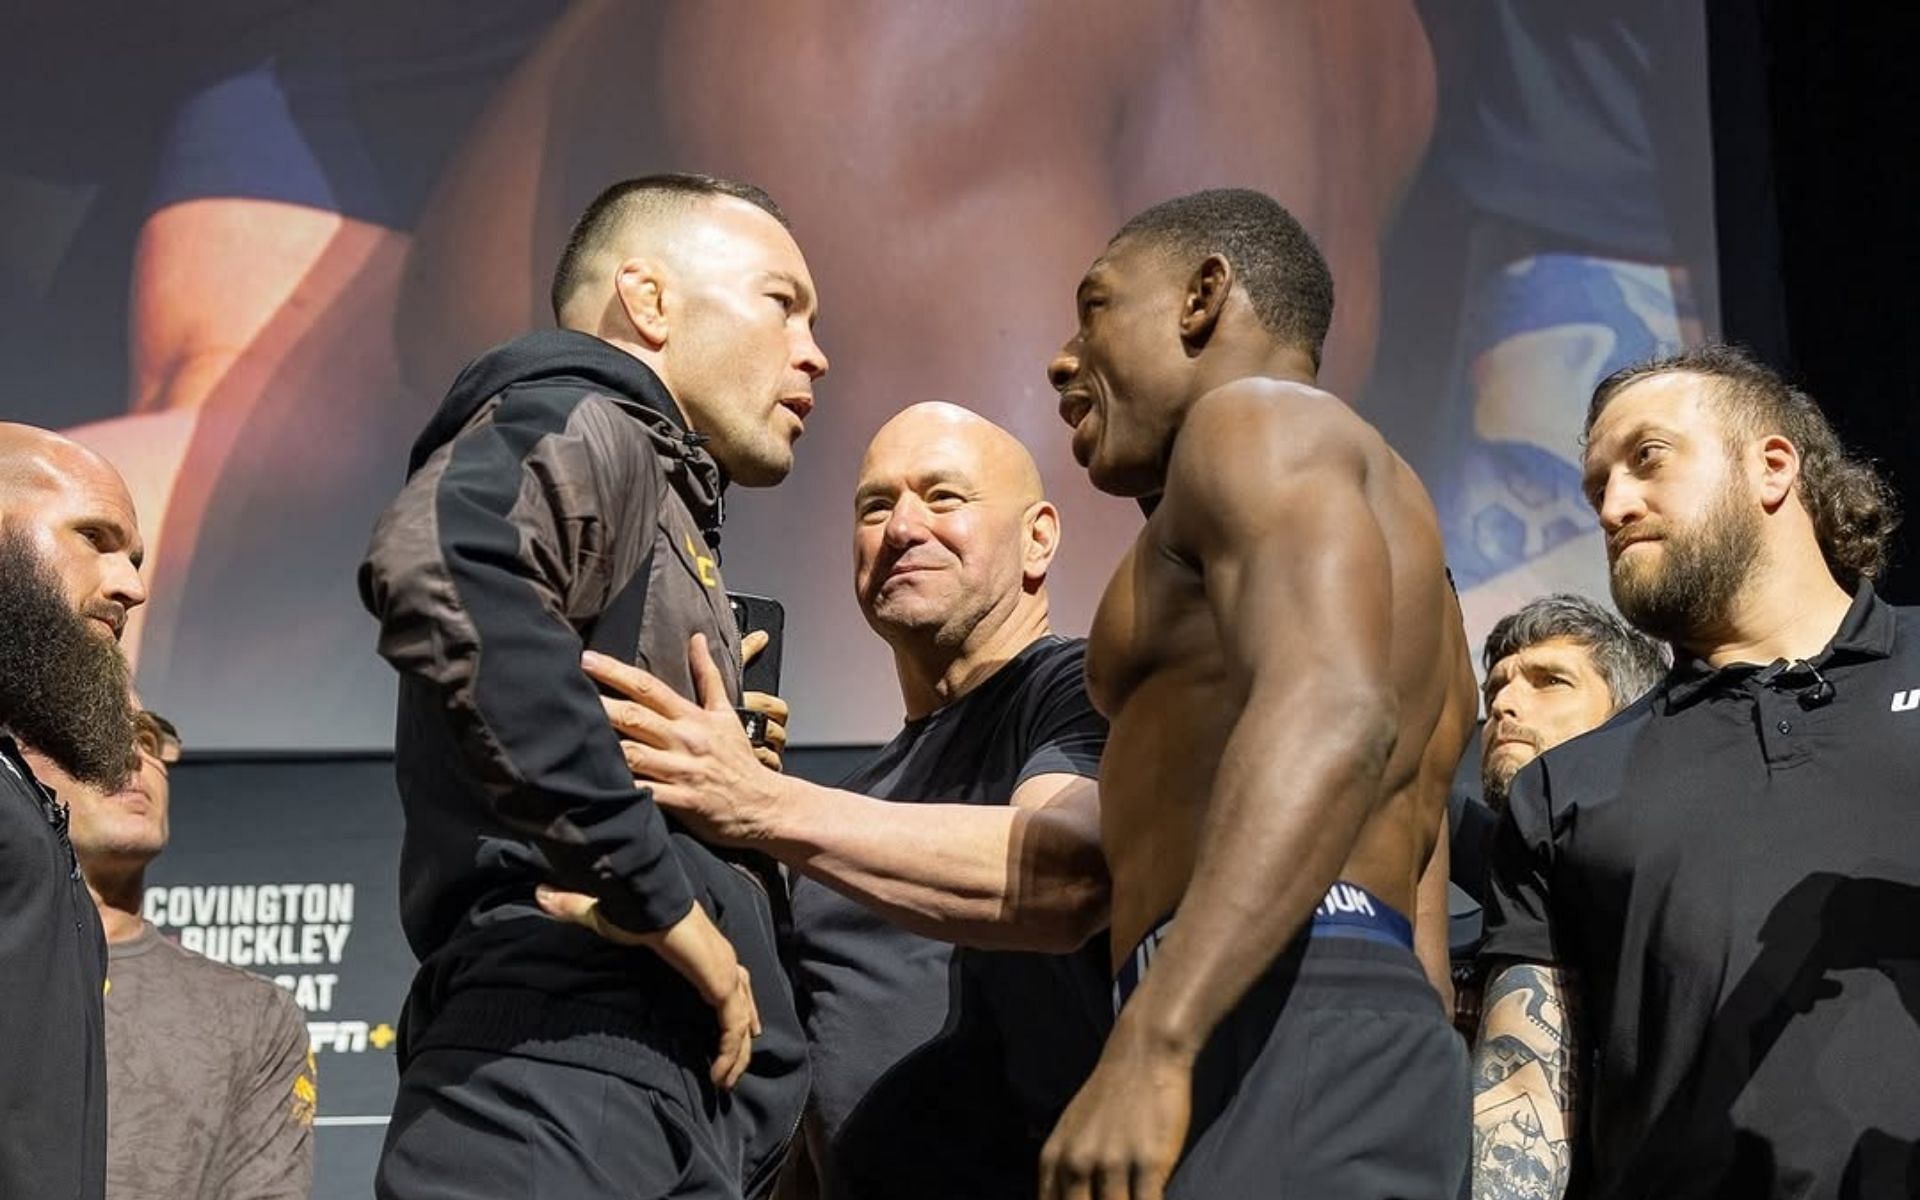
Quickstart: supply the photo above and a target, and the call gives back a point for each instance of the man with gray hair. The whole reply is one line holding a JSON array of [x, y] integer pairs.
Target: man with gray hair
[[1557, 667]]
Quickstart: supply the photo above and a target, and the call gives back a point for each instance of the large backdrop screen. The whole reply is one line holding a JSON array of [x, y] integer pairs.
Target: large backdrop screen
[[245, 246]]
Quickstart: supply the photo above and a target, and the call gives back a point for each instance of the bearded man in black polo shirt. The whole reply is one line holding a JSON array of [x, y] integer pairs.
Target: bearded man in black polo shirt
[[1707, 912]]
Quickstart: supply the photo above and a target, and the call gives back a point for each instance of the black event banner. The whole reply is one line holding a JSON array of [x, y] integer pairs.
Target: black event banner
[[290, 869]]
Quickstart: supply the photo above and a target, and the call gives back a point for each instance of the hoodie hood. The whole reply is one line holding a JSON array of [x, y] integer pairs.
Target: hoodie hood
[[569, 358]]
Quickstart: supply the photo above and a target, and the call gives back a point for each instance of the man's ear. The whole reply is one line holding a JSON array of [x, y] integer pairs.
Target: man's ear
[[640, 291], [1042, 542], [1205, 299], [1779, 470]]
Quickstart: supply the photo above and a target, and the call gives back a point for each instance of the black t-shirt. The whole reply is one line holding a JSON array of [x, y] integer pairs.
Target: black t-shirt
[[1732, 866], [1470, 824], [939, 1071], [53, 967]]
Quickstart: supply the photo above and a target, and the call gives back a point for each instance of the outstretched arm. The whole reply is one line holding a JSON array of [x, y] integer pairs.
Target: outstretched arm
[[1028, 876]]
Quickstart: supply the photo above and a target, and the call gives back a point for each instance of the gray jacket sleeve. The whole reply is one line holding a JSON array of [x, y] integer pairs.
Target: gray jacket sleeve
[[480, 575]]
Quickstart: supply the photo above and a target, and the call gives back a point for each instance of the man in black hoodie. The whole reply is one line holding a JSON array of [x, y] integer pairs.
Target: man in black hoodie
[[566, 497]]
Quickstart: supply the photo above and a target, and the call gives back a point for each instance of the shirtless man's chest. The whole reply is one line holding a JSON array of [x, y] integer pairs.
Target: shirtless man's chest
[[1156, 671]]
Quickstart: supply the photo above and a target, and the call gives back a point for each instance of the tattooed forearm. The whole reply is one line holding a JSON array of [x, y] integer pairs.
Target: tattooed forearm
[[1525, 1019], [1525, 1080]]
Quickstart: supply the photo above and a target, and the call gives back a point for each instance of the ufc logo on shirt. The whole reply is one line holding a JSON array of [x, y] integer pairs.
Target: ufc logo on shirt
[[1906, 701]]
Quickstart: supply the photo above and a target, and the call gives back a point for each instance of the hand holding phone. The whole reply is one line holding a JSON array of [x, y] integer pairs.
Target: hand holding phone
[[761, 673]]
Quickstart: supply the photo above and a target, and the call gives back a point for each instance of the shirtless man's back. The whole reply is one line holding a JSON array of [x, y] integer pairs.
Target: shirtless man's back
[[1282, 660]]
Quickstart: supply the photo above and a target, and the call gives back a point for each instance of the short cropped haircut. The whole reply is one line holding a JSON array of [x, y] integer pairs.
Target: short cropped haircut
[[613, 209], [1628, 661], [1273, 258], [1854, 511]]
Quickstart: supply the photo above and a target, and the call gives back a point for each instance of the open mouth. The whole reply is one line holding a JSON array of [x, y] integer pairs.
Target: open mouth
[[1074, 407], [799, 406]]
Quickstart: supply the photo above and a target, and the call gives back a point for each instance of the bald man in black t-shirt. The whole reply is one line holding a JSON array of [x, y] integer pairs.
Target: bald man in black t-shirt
[[938, 1067]]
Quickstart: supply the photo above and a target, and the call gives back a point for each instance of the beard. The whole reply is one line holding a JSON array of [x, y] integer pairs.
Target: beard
[[1496, 774], [63, 687], [1704, 566]]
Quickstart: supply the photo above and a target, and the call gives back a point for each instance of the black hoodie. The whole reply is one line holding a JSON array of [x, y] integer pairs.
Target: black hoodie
[[557, 501]]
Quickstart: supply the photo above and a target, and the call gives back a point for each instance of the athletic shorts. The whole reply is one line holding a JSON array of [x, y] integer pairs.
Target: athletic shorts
[[1337, 1075], [477, 1125]]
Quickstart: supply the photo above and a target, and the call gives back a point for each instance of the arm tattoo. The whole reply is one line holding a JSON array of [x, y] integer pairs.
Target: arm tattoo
[[1525, 1077], [1525, 1016]]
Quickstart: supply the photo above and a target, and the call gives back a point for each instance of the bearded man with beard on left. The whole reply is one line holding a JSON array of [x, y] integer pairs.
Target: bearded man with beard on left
[[69, 572]]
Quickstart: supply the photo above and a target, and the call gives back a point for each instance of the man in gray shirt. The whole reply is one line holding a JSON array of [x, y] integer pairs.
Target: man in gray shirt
[[209, 1075]]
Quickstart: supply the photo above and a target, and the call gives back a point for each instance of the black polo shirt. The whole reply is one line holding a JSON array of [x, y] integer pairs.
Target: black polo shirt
[[53, 968], [1732, 865]]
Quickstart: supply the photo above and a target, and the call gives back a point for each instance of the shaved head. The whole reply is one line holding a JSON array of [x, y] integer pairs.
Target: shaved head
[[998, 455], [631, 214], [74, 510], [953, 534], [33, 458]]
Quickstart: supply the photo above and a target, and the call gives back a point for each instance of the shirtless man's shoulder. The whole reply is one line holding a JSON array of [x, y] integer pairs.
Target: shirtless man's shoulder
[[1260, 459], [1256, 439]]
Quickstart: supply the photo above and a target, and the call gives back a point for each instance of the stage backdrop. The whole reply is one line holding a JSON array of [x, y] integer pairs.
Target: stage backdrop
[[244, 248]]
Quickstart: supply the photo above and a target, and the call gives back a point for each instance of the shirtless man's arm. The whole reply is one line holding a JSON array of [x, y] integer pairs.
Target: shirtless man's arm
[[1029, 876], [1271, 512], [1432, 944]]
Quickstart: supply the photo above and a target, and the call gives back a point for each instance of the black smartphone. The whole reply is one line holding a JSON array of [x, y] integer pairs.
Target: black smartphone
[[753, 614]]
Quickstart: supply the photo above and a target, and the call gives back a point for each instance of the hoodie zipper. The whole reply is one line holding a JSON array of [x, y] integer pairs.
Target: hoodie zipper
[[59, 817]]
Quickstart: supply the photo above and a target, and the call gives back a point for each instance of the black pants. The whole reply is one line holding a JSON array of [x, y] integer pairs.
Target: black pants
[[1336, 1078], [469, 1125]]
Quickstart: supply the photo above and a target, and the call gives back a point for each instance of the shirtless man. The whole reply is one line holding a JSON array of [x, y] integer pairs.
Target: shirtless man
[[1282, 661]]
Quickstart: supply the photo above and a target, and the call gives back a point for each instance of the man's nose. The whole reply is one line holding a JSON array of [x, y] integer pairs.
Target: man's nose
[[123, 583], [907, 523], [1622, 502], [1065, 365], [809, 357]]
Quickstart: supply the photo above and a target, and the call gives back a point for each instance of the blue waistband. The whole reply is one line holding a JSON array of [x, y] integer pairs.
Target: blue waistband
[[1347, 911]]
